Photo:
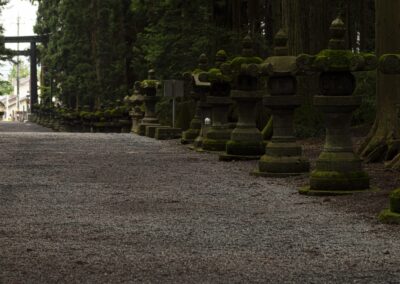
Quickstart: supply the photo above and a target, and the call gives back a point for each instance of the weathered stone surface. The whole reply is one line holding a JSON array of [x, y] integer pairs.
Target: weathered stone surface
[[167, 133], [206, 112], [199, 94], [136, 113], [390, 64], [151, 130], [149, 89], [220, 132], [283, 156], [392, 215], [246, 140], [338, 169]]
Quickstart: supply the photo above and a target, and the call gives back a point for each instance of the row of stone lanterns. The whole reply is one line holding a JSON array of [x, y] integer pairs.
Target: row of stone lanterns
[[338, 169], [243, 80], [146, 123]]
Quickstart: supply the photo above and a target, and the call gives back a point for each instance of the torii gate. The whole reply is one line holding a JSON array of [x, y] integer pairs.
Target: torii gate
[[33, 40]]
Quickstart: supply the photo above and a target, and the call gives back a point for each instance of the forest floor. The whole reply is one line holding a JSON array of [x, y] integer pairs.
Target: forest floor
[[119, 208]]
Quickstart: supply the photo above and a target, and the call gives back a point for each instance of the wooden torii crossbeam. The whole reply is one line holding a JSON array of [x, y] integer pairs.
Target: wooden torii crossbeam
[[32, 53]]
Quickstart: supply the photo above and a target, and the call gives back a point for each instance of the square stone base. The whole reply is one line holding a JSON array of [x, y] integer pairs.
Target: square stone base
[[310, 192], [389, 217], [151, 130], [275, 175], [229, 158], [167, 133]]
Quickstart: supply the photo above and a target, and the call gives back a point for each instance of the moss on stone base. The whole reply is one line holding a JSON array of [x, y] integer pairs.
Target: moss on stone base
[[189, 136], [331, 181], [389, 217], [195, 124], [310, 192], [287, 165], [395, 201], [257, 173], [240, 148], [229, 158], [214, 145]]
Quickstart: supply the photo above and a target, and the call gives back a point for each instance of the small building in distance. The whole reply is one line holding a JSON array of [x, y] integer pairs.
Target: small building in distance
[[13, 111]]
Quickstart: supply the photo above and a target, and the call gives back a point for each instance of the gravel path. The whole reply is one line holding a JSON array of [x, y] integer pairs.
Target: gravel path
[[118, 208]]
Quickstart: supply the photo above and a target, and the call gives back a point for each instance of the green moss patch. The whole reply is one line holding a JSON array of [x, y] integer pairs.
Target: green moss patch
[[237, 62], [311, 192], [389, 217], [338, 181], [190, 135], [149, 84], [245, 148], [395, 201], [339, 175], [214, 145]]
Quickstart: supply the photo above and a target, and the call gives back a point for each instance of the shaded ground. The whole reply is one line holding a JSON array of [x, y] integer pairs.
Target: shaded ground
[[118, 208], [369, 204]]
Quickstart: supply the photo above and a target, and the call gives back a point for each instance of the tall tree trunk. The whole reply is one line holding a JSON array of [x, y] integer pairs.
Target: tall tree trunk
[[382, 143], [94, 55], [307, 23]]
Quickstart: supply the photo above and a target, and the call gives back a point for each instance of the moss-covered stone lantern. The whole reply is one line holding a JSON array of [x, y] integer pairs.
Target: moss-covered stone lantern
[[246, 140], [338, 169], [149, 89], [283, 156], [392, 215], [219, 99], [389, 64], [199, 96], [136, 113]]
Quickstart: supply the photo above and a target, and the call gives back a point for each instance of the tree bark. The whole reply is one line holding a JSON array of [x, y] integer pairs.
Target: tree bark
[[382, 143]]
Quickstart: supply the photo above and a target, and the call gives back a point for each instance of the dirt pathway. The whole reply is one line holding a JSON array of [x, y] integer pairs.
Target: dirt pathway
[[118, 208]]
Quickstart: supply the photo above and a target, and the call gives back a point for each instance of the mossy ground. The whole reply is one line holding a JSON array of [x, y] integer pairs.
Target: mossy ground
[[190, 135]]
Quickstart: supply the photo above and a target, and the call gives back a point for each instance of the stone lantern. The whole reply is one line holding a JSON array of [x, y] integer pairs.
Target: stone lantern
[[219, 99], [149, 89], [246, 142], [338, 169], [389, 64], [136, 101], [283, 156], [198, 94]]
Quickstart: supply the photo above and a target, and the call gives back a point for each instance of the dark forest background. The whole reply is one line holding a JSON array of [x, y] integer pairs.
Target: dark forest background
[[98, 48]]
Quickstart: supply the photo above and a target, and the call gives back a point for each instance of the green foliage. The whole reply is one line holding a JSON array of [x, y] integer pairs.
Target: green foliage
[[175, 33], [5, 88], [23, 71], [395, 194], [4, 53], [150, 84], [86, 60], [97, 49]]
